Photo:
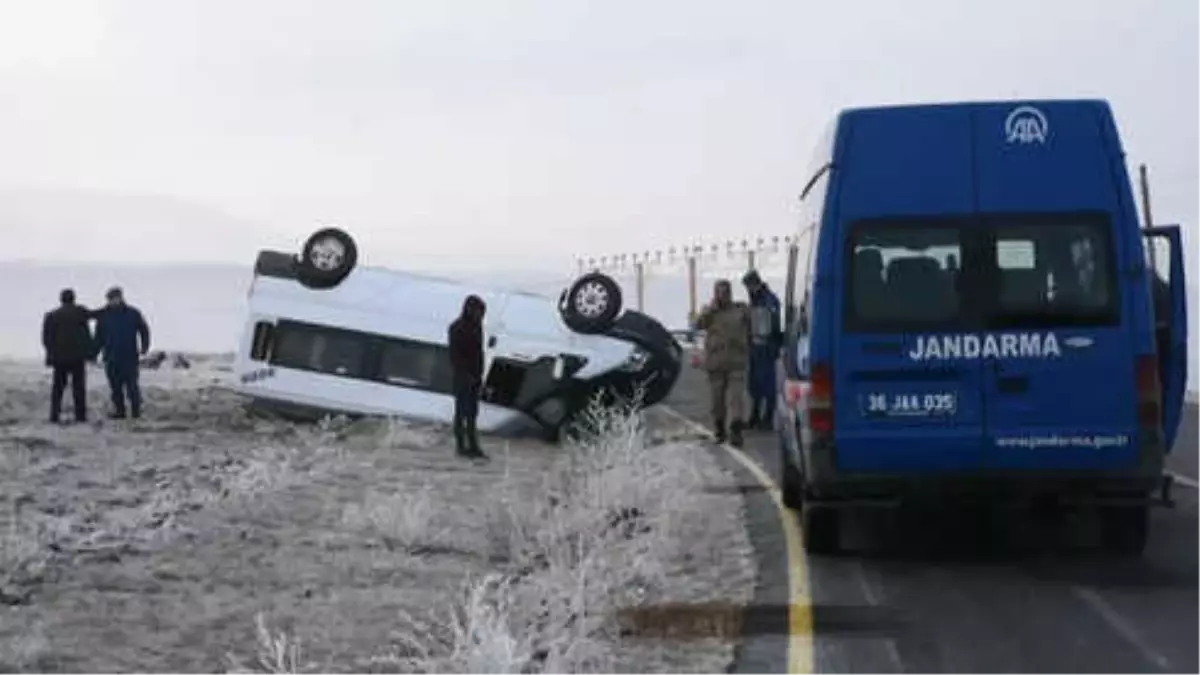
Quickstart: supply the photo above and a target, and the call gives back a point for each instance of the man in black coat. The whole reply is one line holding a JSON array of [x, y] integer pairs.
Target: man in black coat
[[466, 360], [67, 339]]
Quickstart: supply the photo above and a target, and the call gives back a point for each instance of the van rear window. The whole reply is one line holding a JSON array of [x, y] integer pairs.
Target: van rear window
[[1011, 272], [1063, 275], [904, 277]]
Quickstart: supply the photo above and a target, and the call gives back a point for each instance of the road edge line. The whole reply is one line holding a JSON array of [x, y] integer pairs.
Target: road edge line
[[1184, 480], [800, 654]]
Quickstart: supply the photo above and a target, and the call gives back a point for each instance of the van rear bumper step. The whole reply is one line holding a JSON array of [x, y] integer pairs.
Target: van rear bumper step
[[883, 492]]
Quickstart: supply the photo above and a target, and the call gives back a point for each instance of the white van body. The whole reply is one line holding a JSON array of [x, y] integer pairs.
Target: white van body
[[376, 343]]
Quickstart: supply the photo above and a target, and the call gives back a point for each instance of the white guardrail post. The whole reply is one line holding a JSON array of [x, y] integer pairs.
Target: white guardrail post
[[731, 255]]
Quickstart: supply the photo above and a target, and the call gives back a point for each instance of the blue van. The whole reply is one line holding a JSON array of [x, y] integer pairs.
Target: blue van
[[972, 316]]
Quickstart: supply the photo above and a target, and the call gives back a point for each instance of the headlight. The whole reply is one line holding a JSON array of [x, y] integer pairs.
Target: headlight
[[636, 361]]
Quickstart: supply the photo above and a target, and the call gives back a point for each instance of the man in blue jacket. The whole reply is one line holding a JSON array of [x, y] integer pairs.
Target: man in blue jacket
[[119, 329], [766, 339]]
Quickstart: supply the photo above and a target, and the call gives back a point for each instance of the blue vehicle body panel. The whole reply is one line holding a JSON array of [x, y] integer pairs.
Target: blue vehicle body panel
[[1076, 410], [1175, 385], [1090, 391]]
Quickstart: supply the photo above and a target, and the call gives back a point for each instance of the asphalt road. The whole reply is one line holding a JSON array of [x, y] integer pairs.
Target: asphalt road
[[974, 592]]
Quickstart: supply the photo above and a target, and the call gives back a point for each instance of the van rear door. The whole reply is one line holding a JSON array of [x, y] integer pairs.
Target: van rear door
[[900, 406], [1170, 322], [1059, 373], [1056, 214]]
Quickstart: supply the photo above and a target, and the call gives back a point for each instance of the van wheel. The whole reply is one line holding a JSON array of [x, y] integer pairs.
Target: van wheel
[[591, 304], [821, 529], [328, 256], [1125, 529], [793, 486]]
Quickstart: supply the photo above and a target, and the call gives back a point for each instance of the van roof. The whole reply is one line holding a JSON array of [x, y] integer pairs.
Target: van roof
[[979, 157], [980, 105]]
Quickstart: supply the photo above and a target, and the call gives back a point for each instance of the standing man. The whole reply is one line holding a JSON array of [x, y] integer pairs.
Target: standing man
[[726, 326], [67, 339], [766, 338], [119, 330], [466, 360]]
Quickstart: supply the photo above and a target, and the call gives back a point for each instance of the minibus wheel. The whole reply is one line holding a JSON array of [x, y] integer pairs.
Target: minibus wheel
[[820, 529], [1125, 529], [328, 256], [793, 485], [591, 304]]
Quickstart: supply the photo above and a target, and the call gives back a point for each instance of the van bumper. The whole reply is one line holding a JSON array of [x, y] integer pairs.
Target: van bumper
[[1142, 484]]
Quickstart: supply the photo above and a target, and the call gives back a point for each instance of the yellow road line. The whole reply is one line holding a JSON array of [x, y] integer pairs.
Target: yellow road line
[[800, 657]]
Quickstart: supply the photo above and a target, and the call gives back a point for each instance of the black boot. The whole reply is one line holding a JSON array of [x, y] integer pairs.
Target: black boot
[[767, 423], [735, 434], [460, 438], [719, 430], [754, 417], [473, 442]]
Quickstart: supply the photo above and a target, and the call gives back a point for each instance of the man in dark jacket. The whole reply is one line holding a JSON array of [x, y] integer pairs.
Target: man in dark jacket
[[766, 339], [119, 329], [68, 342], [466, 360]]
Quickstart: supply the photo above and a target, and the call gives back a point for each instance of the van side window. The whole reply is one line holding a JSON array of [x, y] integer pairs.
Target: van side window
[[415, 364], [903, 277], [260, 344], [1054, 274], [318, 349]]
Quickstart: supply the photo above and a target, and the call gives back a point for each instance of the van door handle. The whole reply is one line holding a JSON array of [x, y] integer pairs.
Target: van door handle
[[491, 342], [1013, 385]]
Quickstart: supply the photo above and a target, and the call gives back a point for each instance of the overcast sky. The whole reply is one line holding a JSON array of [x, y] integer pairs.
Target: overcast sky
[[491, 132]]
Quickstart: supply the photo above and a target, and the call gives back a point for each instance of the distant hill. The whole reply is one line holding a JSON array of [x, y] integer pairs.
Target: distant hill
[[88, 226]]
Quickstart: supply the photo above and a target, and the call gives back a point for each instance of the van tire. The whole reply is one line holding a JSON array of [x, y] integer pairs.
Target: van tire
[[317, 267], [821, 529], [1125, 529], [793, 486], [591, 304]]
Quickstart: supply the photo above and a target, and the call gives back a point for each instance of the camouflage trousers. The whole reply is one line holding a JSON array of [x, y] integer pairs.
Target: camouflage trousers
[[727, 394]]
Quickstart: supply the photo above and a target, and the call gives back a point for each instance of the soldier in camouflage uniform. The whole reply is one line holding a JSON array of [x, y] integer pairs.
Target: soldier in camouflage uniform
[[726, 356]]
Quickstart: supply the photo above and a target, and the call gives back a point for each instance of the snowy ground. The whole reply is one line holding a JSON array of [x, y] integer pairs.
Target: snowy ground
[[201, 539]]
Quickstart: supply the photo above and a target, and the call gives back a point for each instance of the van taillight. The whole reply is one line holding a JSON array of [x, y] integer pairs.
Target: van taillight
[[1149, 393], [820, 399]]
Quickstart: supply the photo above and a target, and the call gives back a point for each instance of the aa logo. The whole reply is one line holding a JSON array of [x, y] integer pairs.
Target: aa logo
[[1026, 125]]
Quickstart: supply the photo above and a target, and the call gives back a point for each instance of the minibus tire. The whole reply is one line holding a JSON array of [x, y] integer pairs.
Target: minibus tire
[[1125, 529], [820, 529], [315, 277], [792, 487], [576, 312]]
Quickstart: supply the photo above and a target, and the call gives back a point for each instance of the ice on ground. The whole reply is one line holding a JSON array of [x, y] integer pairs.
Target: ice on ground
[[186, 540]]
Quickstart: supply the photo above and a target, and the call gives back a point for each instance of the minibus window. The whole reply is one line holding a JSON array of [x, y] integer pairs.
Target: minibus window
[[903, 277], [260, 346], [1051, 274], [413, 364], [322, 350]]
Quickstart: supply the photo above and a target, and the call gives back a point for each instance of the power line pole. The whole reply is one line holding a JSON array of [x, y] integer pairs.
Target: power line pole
[[1147, 219]]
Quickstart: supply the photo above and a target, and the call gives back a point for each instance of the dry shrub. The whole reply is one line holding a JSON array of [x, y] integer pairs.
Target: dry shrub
[[593, 536], [593, 539]]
